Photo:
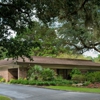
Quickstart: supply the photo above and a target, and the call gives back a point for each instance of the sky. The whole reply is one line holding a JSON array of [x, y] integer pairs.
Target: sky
[[91, 53]]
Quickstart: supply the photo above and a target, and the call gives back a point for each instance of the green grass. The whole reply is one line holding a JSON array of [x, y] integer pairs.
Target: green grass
[[4, 98], [77, 89]]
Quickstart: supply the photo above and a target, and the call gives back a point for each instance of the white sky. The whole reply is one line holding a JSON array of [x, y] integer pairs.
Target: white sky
[[91, 53]]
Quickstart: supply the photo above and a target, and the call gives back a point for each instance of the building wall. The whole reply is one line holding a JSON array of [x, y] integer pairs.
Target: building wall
[[22, 72], [4, 73], [23, 68]]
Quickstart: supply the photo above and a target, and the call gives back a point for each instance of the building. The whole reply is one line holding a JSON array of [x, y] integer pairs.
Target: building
[[14, 69]]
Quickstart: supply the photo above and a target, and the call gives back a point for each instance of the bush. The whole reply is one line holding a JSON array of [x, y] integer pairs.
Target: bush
[[78, 78], [2, 79], [41, 74], [93, 76], [86, 83], [48, 74], [34, 73], [32, 82], [40, 83], [59, 78], [13, 81], [75, 71]]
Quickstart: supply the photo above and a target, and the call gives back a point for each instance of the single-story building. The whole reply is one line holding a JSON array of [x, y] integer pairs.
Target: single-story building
[[14, 69]]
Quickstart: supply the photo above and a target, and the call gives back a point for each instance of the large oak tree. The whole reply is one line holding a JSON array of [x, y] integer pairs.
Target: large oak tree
[[80, 20]]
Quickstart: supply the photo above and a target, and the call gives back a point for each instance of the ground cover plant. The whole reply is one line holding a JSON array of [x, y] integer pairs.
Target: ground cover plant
[[4, 98], [40, 83], [77, 89], [2, 79]]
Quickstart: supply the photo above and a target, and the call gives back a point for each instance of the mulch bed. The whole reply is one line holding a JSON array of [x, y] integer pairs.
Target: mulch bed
[[94, 85]]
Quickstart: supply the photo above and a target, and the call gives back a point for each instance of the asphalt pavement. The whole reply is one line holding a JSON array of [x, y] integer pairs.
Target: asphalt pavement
[[22, 92]]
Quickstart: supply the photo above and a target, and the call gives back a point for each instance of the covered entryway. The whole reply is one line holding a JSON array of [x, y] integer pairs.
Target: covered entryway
[[12, 73], [65, 73]]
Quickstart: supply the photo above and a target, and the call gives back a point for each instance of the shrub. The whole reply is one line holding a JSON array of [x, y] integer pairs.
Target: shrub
[[75, 71], [78, 78], [47, 83], [59, 78], [32, 82], [2, 79], [53, 83], [93, 76], [48, 74], [38, 73], [19, 81], [86, 83], [13, 81], [34, 73]]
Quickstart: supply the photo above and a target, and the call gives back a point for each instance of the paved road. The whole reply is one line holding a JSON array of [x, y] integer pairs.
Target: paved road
[[20, 92]]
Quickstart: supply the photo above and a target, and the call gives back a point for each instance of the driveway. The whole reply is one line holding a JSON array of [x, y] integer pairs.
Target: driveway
[[20, 92]]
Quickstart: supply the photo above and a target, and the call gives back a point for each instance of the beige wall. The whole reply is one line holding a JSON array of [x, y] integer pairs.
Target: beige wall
[[4, 71], [23, 68], [22, 72], [4, 74]]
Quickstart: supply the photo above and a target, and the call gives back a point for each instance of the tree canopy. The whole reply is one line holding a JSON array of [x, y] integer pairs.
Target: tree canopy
[[15, 16], [50, 44], [80, 18], [80, 23]]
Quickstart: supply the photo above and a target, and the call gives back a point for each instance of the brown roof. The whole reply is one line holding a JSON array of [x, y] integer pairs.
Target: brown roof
[[49, 60], [6, 62], [60, 61]]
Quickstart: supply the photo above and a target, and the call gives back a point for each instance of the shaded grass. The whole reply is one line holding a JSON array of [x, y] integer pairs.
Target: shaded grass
[[76, 89], [4, 98]]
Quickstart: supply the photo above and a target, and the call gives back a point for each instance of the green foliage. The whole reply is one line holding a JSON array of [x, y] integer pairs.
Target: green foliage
[[40, 83], [75, 71], [47, 38], [97, 59], [2, 79], [38, 73], [15, 22], [4, 98], [59, 78], [72, 55], [80, 22], [86, 83], [77, 89], [78, 78], [13, 81], [34, 73], [93, 76], [79, 29], [48, 74]]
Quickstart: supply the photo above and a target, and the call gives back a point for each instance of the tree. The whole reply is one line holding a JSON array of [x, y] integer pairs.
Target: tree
[[47, 38], [82, 18], [15, 17]]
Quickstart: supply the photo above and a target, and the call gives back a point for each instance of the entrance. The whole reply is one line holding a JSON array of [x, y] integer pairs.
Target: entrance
[[65, 73], [13, 73]]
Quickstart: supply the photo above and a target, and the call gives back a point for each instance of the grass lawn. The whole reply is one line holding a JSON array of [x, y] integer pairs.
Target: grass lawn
[[4, 98], [77, 89]]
